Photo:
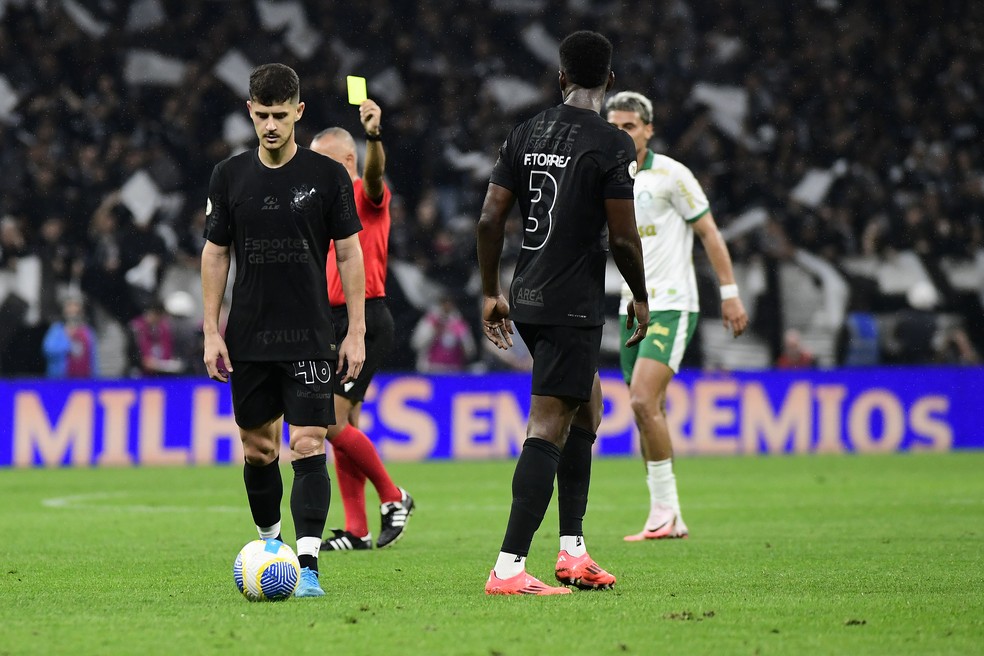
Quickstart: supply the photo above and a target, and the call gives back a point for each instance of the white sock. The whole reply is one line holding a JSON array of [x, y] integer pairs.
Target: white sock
[[508, 565], [308, 546], [267, 532], [662, 484], [573, 544]]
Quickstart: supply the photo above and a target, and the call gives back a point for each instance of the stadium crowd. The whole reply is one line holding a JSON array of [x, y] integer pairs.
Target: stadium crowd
[[851, 132]]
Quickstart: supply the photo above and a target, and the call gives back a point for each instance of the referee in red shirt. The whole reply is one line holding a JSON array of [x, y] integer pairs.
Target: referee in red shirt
[[356, 458]]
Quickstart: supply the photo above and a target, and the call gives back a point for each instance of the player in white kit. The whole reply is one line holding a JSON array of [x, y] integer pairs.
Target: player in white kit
[[670, 207]]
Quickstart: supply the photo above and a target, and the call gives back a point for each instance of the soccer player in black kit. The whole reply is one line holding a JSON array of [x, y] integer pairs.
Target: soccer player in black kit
[[280, 206], [569, 170]]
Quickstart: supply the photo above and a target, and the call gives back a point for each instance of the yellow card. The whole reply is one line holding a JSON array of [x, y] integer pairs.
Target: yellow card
[[356, 89]]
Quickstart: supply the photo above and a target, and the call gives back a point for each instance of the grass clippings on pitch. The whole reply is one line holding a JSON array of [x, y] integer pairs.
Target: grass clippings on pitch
[[818, 555]]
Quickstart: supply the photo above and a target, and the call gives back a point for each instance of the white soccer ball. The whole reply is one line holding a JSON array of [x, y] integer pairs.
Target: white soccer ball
[[266, 570]]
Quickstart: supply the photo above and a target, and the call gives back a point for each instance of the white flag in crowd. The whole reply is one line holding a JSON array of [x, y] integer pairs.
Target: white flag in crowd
[[84, 19], [541, 43], [145, 15], [141, 196], [511, 93], [234, 70], [728, 105], [8, 99], [149, 67], [300, 38]]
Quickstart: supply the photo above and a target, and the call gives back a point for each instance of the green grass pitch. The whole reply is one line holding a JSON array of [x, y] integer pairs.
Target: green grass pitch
[[787, 555]]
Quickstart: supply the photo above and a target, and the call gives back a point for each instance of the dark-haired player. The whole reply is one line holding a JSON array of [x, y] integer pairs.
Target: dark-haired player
[[356, 458], [280, 206], [670, 208], [569, 170]]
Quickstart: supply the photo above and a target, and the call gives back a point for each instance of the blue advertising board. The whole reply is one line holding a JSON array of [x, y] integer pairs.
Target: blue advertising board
[[171, 421]]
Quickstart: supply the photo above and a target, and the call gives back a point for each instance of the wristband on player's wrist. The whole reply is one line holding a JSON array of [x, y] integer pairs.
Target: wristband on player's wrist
[[729, 291], [374, 137]]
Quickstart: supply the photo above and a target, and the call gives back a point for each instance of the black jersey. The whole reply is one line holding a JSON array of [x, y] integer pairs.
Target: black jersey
[[281, 222], [561, 165]]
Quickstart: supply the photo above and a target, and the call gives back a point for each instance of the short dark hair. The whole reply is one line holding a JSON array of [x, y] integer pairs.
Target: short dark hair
[[272, 84], [586, 58]]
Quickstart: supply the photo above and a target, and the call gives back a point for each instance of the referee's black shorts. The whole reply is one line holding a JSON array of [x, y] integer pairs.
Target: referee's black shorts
[[380, 335], [565, 359]]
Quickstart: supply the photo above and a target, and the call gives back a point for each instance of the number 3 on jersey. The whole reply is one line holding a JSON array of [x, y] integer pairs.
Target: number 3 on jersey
[[540, 220]]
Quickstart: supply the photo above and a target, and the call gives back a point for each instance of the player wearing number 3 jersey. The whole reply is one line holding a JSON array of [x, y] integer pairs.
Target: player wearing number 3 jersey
[[569, 170], [280, 206]]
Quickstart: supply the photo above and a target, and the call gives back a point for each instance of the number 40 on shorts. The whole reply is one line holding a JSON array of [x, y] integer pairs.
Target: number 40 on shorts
[[313, 371]]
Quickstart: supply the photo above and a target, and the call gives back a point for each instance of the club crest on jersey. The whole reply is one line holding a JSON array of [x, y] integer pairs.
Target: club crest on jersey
[[644, 199], [303, 198]]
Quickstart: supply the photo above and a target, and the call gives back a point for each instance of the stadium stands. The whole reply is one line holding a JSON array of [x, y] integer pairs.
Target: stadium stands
[[840, 143]]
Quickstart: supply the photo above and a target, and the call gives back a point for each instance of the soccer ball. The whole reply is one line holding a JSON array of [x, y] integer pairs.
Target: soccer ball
[[266, 570]]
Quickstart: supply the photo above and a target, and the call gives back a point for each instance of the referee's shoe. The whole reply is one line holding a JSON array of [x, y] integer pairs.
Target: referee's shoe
[[346, 541], [394, 516]]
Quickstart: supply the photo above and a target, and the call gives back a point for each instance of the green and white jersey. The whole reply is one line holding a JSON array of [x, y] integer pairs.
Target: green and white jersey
[[668, 199]]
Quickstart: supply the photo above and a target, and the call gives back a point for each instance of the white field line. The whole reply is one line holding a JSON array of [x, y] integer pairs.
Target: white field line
[[92, 501]]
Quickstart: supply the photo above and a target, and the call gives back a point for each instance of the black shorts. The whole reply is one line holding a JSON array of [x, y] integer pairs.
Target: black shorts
[[300, 391], [565, 359], [380, 335]]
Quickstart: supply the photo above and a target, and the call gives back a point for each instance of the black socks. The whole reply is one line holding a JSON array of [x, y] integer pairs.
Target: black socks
[[573, 480], [309, 499], [532, 487], [264, 489]]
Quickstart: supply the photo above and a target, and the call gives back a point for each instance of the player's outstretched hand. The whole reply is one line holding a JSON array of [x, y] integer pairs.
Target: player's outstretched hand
[[638, 312], [217, 362], [495, 321], [370, 114], [733, 315], [351, 357]]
